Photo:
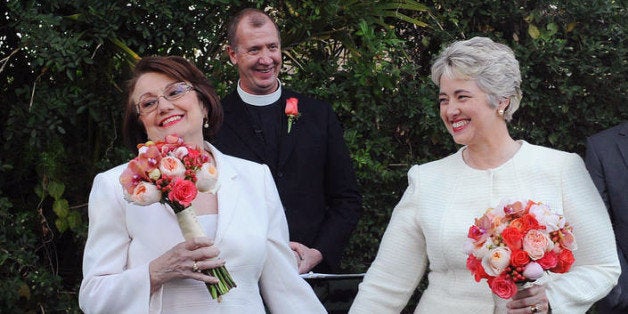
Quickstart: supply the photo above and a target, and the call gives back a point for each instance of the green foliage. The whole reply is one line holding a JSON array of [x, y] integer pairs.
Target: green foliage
[[63, 66]]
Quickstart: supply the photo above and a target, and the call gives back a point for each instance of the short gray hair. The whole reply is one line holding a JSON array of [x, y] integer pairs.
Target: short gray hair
[[491, 65]]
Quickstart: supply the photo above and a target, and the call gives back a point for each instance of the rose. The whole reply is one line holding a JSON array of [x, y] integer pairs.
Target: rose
[[536, 243], [292, 111], [549, 260], [496, 261], [183, 192], [172, 167], [566, 238], [503, 286], [565, 260], [207, 178], [144, 194], [180, 152], [547, 218], [533, 271], [475, 266], [519, 258], [292, 107], [512, 237], [529, 222]]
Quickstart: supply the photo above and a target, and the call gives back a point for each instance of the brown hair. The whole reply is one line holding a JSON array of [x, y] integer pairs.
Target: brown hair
[[256, 18], [177, 68]]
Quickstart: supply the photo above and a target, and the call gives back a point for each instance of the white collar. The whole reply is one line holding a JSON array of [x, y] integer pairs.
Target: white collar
[[260, 100]]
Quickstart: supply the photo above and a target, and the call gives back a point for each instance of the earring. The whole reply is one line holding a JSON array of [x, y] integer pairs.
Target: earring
[[206, 123], [500, 112]]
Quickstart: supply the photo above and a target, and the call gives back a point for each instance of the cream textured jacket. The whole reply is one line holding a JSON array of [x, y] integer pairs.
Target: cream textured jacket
[[429, 226], [252, 235]]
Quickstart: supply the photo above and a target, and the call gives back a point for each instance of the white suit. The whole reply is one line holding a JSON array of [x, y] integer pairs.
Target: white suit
[[252, 235]]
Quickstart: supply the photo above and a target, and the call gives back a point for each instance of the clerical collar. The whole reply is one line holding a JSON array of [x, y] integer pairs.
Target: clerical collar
[[260, 100]]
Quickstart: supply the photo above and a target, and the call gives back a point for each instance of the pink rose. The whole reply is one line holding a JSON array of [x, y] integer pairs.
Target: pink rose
[[533, 271], [549, 260], [145, 194], [536, 243], [292, 108], [292, 111], [180, 152], [496, 260], [183, 192], [172, 167], [503, 286]]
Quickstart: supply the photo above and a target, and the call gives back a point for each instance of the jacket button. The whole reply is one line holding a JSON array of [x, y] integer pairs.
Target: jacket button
[[280, 174]]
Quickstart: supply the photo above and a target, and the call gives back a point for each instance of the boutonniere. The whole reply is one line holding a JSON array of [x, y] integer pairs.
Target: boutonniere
[[292, 111]]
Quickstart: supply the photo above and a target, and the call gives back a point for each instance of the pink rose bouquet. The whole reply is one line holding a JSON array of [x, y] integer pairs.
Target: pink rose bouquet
[[516, 243], [172, 172]]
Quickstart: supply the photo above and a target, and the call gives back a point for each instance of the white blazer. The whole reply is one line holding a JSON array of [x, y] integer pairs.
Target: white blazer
[[252, 235]]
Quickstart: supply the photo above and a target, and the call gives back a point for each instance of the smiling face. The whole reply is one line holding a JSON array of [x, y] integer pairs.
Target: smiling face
[[183, 116], [465, 110], [257, 54]]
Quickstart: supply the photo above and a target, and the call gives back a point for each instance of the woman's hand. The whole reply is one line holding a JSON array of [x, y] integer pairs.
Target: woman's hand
[[185, 260], [307, 258], [529, 300]]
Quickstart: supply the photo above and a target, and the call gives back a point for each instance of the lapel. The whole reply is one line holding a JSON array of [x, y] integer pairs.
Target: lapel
[[228, 192], [288, 140], [622, 142], [240, 123]]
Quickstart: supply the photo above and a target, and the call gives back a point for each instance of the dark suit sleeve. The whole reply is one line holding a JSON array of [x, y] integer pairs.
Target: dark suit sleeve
[[343, 200], [617, 300], [596, 170]]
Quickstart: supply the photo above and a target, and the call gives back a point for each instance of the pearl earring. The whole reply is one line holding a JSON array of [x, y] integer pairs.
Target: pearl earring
[[500, 112], [206, 124]]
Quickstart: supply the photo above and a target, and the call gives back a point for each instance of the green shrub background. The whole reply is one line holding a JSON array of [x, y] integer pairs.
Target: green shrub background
[[63, 66]]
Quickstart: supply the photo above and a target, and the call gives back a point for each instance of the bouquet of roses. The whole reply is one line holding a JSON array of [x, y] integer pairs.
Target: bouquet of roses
[[172, 172], [516, 243]]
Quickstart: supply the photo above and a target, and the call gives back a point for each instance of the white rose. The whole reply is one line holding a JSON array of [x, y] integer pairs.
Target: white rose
[[207, 178], [496, 261], [145, 194]]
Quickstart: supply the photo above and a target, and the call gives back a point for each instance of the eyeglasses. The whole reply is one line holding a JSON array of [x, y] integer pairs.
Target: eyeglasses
[[174, 91]]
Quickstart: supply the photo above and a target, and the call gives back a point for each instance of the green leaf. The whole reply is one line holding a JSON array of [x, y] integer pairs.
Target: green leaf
[[61, 225], [56, 189], [61, 208], [74, 219], [533, 31]]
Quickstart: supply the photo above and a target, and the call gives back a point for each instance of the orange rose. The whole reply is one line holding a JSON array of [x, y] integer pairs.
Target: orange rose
[[565, 260], [512, 237], [519, 258]]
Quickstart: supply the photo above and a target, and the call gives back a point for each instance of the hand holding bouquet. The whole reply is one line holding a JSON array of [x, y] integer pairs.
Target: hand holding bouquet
[[172, 172], [516, 243]]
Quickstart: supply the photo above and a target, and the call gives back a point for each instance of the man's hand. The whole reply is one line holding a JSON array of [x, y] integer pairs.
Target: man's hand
[[306, 257]]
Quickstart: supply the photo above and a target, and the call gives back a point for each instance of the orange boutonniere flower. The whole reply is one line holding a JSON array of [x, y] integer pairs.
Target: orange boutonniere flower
[[292, 111]]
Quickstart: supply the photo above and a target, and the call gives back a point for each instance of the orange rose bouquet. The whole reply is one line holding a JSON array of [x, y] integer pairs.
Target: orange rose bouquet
[[516, 243], [172, 172]]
